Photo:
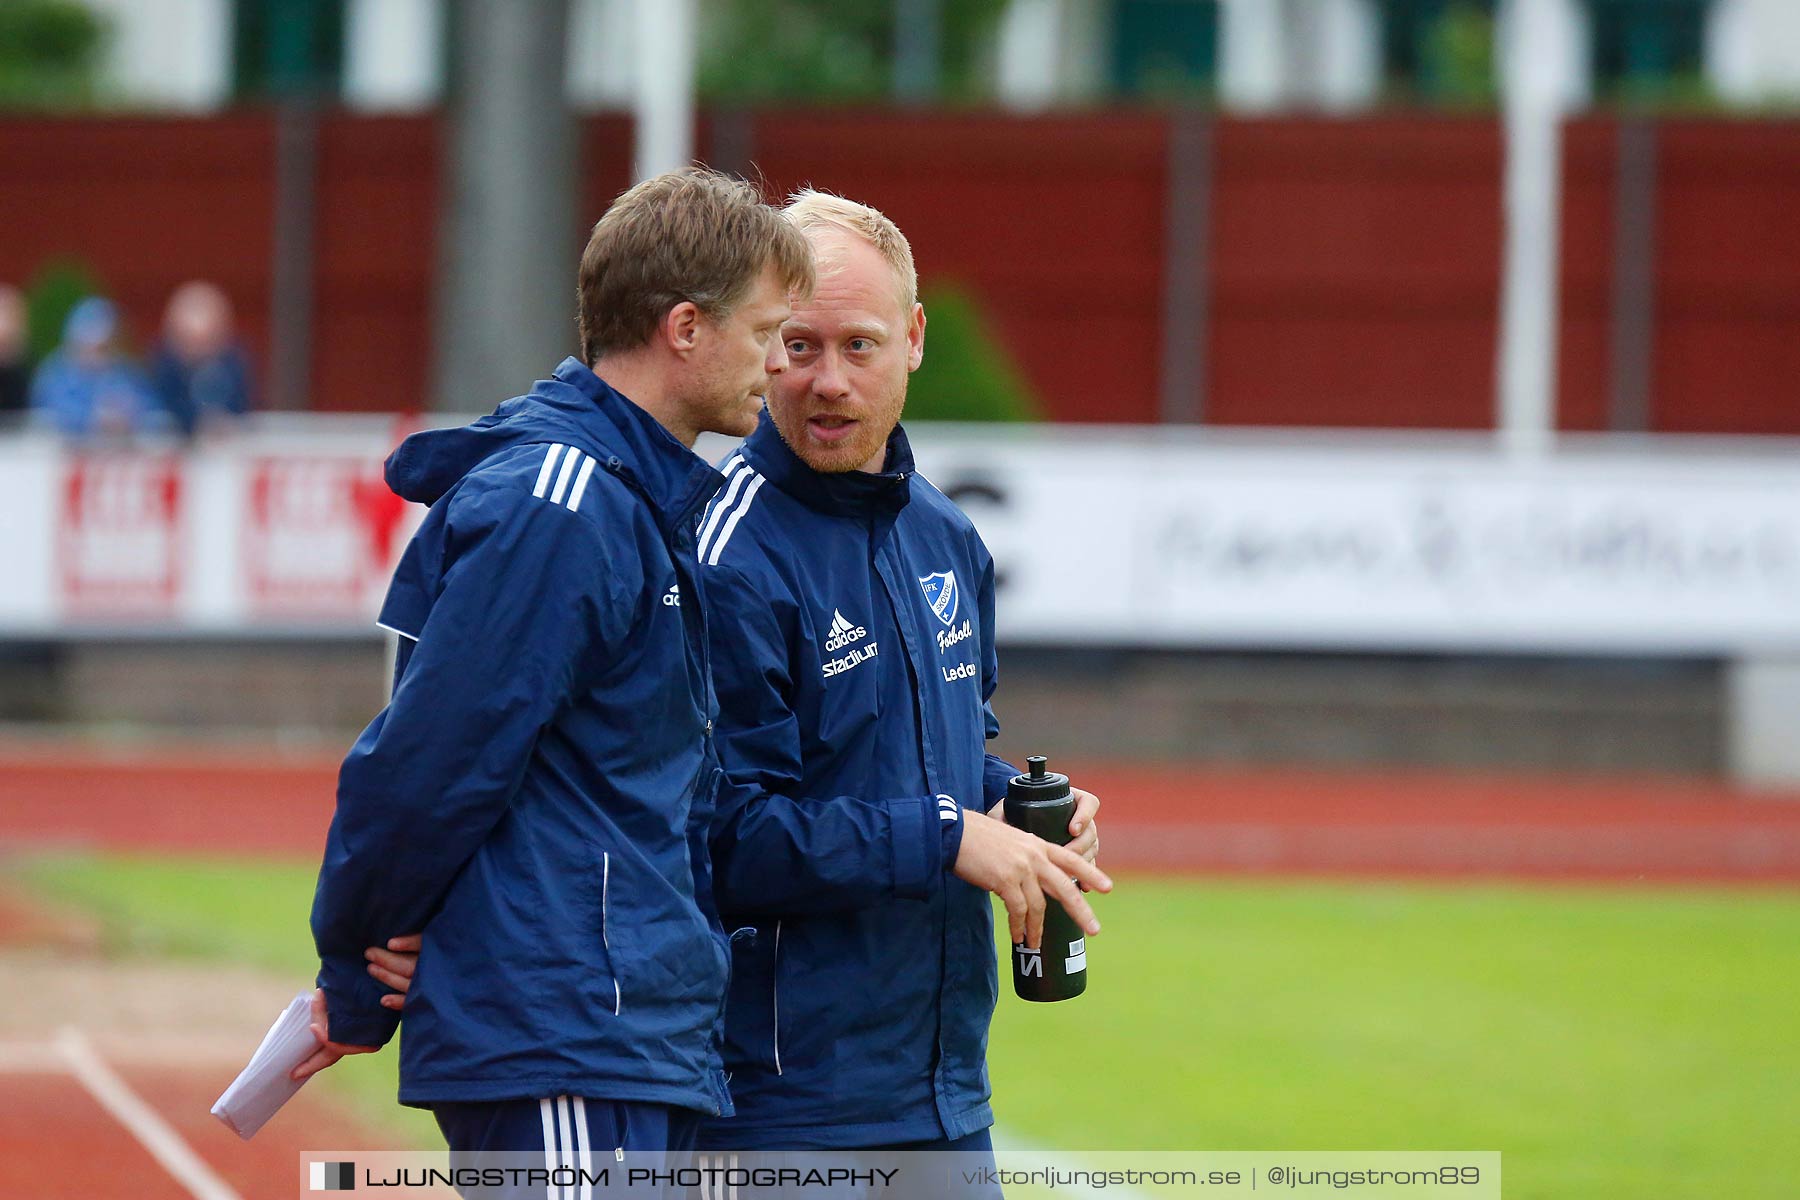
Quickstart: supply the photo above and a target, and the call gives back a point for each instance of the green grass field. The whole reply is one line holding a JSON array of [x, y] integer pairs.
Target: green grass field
[[1610, 1042]]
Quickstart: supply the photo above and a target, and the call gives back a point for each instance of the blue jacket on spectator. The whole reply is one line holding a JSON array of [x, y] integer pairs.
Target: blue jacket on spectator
[[83, 388], [191, 392]]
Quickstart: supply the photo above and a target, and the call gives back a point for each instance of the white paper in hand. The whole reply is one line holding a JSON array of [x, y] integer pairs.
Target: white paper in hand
[[263, 1086]]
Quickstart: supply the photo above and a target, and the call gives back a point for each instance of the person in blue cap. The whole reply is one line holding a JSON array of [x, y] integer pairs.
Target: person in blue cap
[[85, 388]]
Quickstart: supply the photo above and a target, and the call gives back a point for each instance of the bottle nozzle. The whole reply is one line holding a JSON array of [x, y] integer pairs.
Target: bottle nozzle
[[1036, 764]]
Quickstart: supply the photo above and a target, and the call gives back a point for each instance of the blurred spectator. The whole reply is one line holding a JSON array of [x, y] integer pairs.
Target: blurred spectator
[[200, 370], [85, 388], [15, 367]]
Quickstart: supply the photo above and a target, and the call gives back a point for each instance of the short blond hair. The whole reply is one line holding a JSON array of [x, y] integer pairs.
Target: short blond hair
[[690, 235], [814, 211]]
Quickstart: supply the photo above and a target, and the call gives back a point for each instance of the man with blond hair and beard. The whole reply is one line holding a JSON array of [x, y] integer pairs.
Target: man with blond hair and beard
[[537, 795], [851, 609]]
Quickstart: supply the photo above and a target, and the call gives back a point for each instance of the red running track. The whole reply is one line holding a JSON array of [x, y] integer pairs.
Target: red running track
[[58, 1140], [1170, 818]]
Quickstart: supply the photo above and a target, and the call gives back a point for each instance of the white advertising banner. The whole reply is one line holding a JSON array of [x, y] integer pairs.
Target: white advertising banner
[[1180, 539], [1100, 537], [277, 534]]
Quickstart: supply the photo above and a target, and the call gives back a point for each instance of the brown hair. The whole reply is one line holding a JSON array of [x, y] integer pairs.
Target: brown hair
[[690, 235]]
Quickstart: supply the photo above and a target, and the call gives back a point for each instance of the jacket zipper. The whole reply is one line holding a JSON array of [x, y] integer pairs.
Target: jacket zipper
[[918, 698], [605, 942], [775, 989]]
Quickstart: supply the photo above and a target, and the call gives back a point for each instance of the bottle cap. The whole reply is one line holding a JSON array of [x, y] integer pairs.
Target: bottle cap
[[1038, 783]]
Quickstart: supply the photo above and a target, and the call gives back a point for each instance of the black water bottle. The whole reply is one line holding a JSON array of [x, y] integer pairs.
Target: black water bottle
[[1039, 803]]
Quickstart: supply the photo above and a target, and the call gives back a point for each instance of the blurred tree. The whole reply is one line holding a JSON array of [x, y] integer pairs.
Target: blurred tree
[[58, 287], [967, 374], [757, 51], [1440, 51], [49, 54], [1459, 56]]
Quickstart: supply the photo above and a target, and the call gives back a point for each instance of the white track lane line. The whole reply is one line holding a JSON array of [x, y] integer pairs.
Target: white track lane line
[[128, 1108]]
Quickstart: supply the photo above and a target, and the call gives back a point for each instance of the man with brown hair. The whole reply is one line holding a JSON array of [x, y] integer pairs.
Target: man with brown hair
[[535, 797]]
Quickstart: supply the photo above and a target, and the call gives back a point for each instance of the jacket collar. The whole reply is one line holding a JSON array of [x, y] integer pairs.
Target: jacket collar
[[846, 493], [676, 481]]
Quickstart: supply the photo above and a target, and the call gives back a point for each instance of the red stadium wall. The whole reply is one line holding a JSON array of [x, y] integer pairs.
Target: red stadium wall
[[374, 255], [1356, 273], [1724, 284], [1352, 267], [1728, 278], [1055, 223]]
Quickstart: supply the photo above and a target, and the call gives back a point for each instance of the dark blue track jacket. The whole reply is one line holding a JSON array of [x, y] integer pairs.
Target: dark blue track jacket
[[851, 621], [536, 795]]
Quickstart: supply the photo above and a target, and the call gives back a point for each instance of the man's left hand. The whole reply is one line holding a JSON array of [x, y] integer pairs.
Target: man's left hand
[[1084, 831], [328, 1051]]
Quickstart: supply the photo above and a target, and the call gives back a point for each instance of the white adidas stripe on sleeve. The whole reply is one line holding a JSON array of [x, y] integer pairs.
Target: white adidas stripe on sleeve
[[570, 461], [543, 479], [735, 475], [731, 523], [581, 482]]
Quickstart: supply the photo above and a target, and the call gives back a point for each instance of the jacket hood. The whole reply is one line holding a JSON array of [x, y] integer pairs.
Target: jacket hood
[[574, 407]]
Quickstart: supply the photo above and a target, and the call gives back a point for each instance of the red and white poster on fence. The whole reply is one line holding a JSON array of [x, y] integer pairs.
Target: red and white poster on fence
[[119, 536], [320, 536]]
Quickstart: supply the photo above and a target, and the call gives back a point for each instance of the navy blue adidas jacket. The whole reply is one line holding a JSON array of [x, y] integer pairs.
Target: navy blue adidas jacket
[[852, 623], [536, 795]]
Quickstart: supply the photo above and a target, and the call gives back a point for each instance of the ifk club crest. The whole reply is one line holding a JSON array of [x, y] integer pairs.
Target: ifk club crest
[[942, 594]]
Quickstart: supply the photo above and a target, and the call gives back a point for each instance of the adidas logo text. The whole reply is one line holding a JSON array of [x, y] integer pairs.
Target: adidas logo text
[[843, 633]]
